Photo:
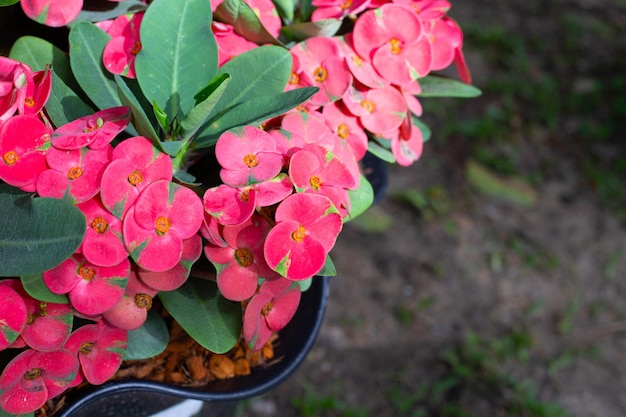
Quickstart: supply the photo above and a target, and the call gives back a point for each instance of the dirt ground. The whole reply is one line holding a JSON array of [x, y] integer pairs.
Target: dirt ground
[[468, 304]]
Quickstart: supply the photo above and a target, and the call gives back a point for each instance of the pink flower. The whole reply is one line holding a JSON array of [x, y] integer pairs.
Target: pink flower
[[175, 277], [49, 324], [33, 377], [96, 130], [229, 43], [337, 9], [347, 127], [38, 88], [380, 110], [53, 13], [102, 244], [135, 164], [241, 263], [392, 39], [270, 310], [13, 315], [407, 144], [247, 156], [13, 85], [154, 228], [131, 311], [99, 348], [316, 170], [23, 142], [76, 173], [230, 205], [120, 52], [321, 65], [267, 14], [306, 228], [361, 69], [92, 289]]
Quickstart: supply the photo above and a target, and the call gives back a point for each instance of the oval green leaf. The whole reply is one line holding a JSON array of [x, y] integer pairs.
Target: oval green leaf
[[36, 234], [213, 321], [36, 288], [360, 199], [178, 55], [438, 86], [149, 340]]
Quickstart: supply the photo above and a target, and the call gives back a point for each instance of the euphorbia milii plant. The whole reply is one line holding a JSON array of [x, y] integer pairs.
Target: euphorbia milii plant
[[190, 150]]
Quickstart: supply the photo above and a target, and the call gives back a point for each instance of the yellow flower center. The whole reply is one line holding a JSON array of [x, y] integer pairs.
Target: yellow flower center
[[244, 257], [299, 234], [316, 183], [29, 102], [343, 131], [136, 48], [86, 347], [267, 308], [10, 158], [143, 301], [368, 105], [75, 172], [357, 60], [135, 177], [32, 374], [162, 225], [250, 161], [294, 79], [346, 4], [86, 272], [395, 45], [320, 74], [99, 224]]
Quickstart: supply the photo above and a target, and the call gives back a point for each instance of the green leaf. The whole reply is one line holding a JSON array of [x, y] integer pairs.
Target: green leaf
[[160, 116], [360, 199], [95, 14], [380, 152], [178, 55], [305, 30], [8, 2], [285, 9], [205, 103], [36, 234], [204, 314], [87, 42], [5, 414], [438, 86], [260, 72], [245, 22], [149, 340], [305, 284], [172, 147], [328, 270], [64, 105], [36, 288], [253, 111], [140, 119], [513, 189]]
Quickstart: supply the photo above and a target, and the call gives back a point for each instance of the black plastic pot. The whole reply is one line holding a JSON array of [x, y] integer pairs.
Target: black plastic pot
[[139, 398]]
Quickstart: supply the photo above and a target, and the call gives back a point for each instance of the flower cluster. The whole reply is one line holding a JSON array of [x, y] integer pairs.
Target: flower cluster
[[288, 159]]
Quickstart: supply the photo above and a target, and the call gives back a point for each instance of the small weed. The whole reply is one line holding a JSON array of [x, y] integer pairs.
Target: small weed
[[567, 321], [314, 404]]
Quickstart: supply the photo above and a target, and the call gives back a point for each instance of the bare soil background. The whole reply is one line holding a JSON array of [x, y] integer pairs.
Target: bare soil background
[[472, 302]]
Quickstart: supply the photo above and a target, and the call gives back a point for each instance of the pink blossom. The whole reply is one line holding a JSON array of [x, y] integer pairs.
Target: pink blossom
[[306, 228], [361, 69], [337, 9], [120, 52], [33, 377], [241, 263], [13, 85], [407, 144], [102, 244], [321, 65], [154, 228], [270, 310], [393, 40], [380, 110], [230, 205], [38, 88], [229, 43], [135, 164], [347, 127], [92, 289], [96, 130], [131, 311], [13, 315], [247, 156], [53, 13], [175, 277], [76, 173], [99, 348], [23, 143]]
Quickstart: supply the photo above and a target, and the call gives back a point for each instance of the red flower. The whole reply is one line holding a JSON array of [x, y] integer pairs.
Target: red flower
[[33, 377], [120, 52], [13, 314], [53, 13], [96, 130]]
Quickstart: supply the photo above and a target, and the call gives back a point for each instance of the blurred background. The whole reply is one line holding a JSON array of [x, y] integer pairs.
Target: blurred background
[[489, 281]]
